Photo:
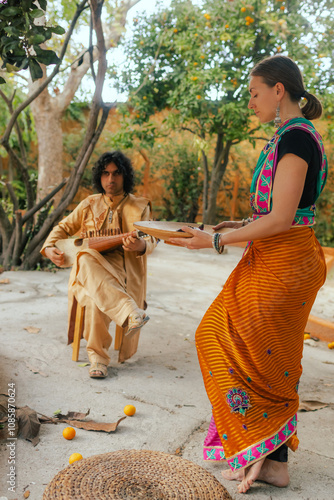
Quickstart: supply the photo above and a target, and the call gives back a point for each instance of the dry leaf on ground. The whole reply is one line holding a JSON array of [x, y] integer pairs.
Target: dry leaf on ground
[[312, 405], [32, 329], [71, 415], [36, 370], [5, 281], [90, 425], [29, 424]]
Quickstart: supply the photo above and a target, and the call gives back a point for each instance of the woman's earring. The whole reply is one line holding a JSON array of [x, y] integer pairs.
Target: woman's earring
[[277, 120]]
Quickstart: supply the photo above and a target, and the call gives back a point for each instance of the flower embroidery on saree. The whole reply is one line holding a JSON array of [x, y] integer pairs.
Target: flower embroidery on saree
[[238, 400]]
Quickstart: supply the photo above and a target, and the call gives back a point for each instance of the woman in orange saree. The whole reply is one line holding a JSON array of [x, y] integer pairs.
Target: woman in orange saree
[[250, 341]]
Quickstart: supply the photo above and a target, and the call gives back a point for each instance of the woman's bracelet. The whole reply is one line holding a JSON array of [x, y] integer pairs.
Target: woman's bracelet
[[216, 243]]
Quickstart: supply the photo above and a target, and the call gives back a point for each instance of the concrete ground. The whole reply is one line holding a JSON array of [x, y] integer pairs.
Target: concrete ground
[[162, 380]]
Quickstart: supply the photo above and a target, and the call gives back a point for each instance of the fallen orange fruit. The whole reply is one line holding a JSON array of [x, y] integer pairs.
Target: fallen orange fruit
[[129, 410], [307, 336], [69, 433], [74, 458]]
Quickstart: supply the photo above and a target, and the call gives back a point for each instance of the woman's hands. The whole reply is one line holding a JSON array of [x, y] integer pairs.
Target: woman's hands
[[203, 239], [55, 255], [200, 239]]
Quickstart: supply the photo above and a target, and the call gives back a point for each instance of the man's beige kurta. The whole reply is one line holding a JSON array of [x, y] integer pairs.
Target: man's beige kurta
[[111, 285]]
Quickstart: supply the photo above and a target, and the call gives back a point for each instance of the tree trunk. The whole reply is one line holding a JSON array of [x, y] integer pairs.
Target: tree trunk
[[50, 144], [205, 186], [216, 178], [146, 172]]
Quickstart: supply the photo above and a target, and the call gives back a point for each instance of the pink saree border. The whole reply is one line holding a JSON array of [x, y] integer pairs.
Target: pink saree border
[[255, 452]]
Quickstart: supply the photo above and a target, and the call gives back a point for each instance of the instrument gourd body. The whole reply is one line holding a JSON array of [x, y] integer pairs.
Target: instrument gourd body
[[101, 241]]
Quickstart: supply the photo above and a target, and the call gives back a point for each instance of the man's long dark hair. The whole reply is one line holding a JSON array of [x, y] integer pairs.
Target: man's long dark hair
[[122, 163]]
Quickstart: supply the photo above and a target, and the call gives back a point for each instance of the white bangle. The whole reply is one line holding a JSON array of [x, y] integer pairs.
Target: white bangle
[[216, 243]]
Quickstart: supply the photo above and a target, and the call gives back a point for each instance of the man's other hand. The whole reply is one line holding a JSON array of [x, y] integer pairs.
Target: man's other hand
[[55, 255]]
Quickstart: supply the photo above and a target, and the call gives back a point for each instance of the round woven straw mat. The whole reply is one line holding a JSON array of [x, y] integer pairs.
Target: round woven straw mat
[[135, 474]]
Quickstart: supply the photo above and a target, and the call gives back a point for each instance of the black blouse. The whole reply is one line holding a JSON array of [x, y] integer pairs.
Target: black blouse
[[302, 144]]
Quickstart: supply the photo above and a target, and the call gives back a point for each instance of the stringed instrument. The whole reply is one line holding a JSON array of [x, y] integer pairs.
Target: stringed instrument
[[101, 241]]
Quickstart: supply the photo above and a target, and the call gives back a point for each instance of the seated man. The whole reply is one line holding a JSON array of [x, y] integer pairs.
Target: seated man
[[111, 286]]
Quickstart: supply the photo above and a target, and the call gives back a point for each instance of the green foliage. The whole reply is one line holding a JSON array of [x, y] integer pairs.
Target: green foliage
[[178, 166], [21, 37], [195, 61]]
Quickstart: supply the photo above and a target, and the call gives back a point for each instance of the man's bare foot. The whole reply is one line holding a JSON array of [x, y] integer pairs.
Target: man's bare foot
[[275, 473], [230, 475], [251, 474]]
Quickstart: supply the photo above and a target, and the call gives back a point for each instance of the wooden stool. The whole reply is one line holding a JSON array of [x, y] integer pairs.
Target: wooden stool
[[79, 319]]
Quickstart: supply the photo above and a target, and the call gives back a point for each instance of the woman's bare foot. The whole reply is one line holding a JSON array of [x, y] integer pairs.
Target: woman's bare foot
[[275, 473], [230, 475], [269, 471], [251, 474]]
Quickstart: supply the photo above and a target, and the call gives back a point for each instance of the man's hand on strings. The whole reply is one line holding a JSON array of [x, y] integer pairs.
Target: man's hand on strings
[[134, 244], [230, 223], [199, 239], [55, 255]]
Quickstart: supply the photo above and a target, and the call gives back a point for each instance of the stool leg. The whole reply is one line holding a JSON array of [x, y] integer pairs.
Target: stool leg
[[77, 331], [119, 332]]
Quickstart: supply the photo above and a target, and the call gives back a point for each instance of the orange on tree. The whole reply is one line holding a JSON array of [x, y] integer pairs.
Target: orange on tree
[[69, 433]]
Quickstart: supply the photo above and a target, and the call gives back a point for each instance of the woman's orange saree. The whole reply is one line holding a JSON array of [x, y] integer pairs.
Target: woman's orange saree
[[250, 345]]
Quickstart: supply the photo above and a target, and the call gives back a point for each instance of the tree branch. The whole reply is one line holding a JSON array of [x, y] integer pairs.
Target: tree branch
[[18, 238], [91, 61], [46, 82], [189, 130], [12, 196], [43, 202], [89, 57], [24, 172], [9, 103], [5, 228]]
